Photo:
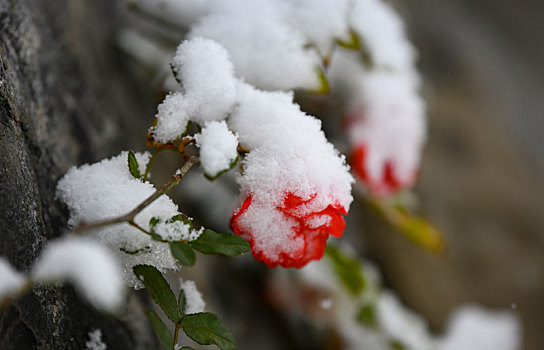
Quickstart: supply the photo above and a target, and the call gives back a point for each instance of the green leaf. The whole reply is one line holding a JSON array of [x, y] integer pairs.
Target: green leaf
[[347, 269], [133, 165], [182, 218], [159, 290], [211, 242], [184, 253], [161, 330], [396, 345], [231, 165], [367, 315], [205, 328], [186, 348], [153, 222], [181, 302]]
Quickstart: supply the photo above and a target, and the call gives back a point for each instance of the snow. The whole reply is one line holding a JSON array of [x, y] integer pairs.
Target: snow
[[209, 87], [472, 327], [382, 31], [95, 341], [176, 231], [218, 147], [266, 51], [385, 114], [289, 154], [321, 21], [401, 324], [469, 327], [173, 114], [10, 279], [92, 268], [105, 190], [207, 75], [193, 298]]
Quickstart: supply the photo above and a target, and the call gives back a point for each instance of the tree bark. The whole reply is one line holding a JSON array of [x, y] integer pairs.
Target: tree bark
[[65, 99]]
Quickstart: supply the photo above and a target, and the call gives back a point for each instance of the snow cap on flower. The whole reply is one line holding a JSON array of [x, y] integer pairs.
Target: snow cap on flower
[[107, 189], [385, 114], [218, 148], [90, 266], [10, 279], [295, 184]]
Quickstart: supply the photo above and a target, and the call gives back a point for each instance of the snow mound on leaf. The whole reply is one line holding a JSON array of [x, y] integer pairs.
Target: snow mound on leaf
[[104, 190], [294, 181], [218, 148]]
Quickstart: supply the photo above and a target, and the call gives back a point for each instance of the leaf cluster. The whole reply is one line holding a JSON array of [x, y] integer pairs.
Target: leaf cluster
[[204, 328]]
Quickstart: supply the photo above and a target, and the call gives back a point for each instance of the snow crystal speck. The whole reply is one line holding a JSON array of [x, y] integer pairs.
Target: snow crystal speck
[[95, 341]]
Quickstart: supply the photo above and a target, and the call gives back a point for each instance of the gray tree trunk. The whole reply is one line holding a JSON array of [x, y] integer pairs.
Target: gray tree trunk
[[64, 99]]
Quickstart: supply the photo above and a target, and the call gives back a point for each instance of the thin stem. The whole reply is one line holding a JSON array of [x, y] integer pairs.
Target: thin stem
[[129, 217], [152, 159], [176, 332], [135, 225]]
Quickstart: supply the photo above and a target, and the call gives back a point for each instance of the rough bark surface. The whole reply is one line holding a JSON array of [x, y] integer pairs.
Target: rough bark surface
[[64, 100]]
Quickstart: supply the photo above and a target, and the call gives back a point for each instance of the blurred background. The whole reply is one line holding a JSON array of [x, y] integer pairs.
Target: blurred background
[[480, 182], [481, 179]]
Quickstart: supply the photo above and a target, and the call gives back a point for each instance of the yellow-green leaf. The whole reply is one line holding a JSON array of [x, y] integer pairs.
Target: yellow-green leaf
[[417, 229], [133, 166], [353, 44], [324, 86]]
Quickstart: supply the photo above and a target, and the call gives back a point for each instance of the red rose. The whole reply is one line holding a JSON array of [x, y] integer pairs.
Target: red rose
[[389, 182], [308, 230]]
